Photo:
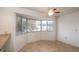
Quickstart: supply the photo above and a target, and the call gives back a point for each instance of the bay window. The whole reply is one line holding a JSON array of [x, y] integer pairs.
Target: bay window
[[24, 24]]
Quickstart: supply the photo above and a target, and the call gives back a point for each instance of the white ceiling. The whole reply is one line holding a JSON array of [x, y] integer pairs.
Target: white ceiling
[[64, 10]]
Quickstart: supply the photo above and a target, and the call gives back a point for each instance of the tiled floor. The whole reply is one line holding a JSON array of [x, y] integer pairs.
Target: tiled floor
[[49, 46]]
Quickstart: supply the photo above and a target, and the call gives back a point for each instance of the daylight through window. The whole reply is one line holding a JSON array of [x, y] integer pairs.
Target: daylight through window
[[24, 24]]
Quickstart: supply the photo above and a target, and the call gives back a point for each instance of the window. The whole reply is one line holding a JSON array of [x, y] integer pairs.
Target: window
[[44, 25], [18, 24], [24, 24], [50, 26], [34, 25], [47, 25], [30, 22], [37, 26]]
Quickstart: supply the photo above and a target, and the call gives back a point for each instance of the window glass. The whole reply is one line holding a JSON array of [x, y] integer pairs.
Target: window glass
[[37, 26], [34, 25], [44, 25], [24, 25], [18, 24], [50, 25], [30, 25]]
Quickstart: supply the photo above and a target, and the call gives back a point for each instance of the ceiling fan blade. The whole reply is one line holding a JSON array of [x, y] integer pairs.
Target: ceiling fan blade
[[57, 12]]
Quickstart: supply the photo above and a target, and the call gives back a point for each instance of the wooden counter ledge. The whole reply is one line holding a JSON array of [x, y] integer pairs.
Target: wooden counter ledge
[[3, 39]]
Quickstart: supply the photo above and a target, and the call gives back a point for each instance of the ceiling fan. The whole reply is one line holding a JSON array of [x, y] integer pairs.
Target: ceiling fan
[[52, 11]]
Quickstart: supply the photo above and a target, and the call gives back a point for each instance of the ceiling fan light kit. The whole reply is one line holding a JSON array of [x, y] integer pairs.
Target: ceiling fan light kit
[[53, 11], [50, 12]]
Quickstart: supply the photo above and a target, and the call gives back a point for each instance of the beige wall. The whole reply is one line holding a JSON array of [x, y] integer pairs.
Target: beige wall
[[8, 24], [68, 28]]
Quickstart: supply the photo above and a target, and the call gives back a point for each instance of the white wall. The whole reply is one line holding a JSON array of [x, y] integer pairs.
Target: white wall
[[8, 24], [33, 36], [68, 29]]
